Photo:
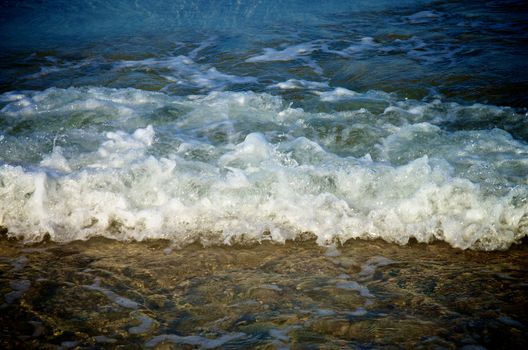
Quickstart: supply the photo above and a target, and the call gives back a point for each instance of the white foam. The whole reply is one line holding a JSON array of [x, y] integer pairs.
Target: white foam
[[414, 47], [184, 71], [203, 45], [56, 160], [122, 148], [340, 94], [289, 53], [337, 94], [119, 102], [58, 66], [394, 175], [293, 84], [12, 96], [299, 52]]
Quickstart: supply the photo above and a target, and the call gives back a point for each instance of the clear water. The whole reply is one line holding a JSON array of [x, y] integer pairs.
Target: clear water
[[234, 121], [108, 294]]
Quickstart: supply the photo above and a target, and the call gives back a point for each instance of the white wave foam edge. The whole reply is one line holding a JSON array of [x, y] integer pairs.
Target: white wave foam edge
[[253, 194], [256, 190]]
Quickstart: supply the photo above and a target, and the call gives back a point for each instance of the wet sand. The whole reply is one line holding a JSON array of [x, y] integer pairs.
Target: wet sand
[[366, 294]]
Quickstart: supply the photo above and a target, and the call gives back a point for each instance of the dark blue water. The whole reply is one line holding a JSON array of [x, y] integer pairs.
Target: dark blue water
[[466, 50]]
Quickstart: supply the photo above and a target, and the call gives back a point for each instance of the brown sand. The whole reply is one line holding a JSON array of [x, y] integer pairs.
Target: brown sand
[[366, 294]]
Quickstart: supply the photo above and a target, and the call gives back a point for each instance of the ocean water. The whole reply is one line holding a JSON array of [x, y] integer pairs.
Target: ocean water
[[248, 120], [346, 125]]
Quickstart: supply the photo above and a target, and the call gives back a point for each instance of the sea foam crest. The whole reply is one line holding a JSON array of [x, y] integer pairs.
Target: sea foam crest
[[246, 167]]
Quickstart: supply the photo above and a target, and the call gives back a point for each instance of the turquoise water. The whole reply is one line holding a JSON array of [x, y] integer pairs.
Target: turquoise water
[[241, 121]]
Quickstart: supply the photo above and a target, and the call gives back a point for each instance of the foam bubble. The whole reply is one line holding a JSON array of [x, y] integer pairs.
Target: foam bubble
[[416, 48], [56, 160], [289, 53], [340, 94], [185, 72], [300, 52], [292, 84]]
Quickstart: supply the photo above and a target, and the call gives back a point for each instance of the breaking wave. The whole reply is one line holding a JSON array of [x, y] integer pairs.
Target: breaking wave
[[230, 167]]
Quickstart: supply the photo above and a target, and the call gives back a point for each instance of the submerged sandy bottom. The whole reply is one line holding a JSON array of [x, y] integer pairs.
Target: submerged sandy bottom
[[366, 294]]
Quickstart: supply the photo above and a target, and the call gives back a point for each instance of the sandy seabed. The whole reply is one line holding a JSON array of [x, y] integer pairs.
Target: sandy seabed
[[102, 293]]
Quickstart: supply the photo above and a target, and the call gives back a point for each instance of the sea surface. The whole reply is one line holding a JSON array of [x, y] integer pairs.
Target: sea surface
[[273, 174]]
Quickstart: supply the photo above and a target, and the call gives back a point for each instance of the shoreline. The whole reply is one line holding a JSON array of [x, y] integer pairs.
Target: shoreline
[[107, 293]]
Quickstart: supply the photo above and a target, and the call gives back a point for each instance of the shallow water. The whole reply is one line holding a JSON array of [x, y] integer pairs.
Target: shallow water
[[368, 295], [263, 174], [250, 121]]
